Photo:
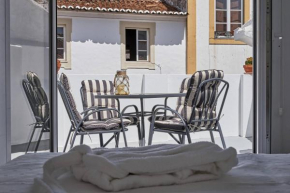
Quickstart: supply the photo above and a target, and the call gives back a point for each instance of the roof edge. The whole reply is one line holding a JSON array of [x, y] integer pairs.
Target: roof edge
[[98, 9]]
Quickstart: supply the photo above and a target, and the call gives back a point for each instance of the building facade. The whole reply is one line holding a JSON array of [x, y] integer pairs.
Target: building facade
[[183, 36], [210, 35], [101, 38]]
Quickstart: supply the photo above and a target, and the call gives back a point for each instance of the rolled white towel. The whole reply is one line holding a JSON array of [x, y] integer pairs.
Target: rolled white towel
[[128, 168]]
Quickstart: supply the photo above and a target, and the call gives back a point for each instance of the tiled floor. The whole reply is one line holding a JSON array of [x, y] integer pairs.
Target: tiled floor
[[242, 145]]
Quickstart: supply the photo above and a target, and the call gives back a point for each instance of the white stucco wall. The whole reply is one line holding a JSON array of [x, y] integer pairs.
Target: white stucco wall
[[229, 58], [95, 47]]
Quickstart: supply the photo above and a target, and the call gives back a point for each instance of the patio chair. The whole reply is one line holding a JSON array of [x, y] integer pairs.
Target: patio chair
[[38, 102], [196, 111], [90, 88], [82, 126]]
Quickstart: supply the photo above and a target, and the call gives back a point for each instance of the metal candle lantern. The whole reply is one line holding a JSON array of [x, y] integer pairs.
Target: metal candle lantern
[[121, 83]]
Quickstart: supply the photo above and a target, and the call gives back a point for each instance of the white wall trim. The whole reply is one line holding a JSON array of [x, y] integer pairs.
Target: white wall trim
[[65, 14], [67, 24]]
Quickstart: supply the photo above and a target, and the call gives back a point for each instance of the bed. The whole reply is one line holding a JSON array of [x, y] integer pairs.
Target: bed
[[254, 173]]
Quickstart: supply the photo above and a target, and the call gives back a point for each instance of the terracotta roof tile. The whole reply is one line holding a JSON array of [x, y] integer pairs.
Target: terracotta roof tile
[[126, 6]]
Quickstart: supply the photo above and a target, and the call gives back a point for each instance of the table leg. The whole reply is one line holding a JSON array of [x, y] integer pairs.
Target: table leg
[[142, 140], [165, 105]]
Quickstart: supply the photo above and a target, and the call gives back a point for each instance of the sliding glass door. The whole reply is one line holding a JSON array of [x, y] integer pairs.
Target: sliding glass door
[[31, 64]]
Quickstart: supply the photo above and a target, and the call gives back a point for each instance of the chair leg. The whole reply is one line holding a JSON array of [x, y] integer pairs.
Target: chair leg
[[82, 140], [73, 140], [68, 136], [211, 136], [125, 139], [183, 139], [139, 131], [188, 134], [180, 138], [151, 132], [222, 136], [116, 140], [105, 145], [31, 137], [173, 137], [39, 139], [101, 140]]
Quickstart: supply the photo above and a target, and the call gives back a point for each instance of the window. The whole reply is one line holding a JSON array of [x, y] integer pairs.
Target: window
[[225, 17], [60, 43], [137, 48], [229, 14], [64, 30], [137, 45]]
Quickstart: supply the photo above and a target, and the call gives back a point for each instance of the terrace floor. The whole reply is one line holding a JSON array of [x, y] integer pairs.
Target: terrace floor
[[242, 145]]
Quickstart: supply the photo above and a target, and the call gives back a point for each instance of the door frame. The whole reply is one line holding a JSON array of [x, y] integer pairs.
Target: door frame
[[262, 76], [53, 77]]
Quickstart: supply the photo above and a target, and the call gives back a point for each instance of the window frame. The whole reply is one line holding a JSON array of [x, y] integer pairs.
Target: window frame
[[67, 24], [212, 16], [138, 64], [229, 22], [137, 46], [64, 43]]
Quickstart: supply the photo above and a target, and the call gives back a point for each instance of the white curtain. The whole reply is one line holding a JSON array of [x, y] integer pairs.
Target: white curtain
[[245, 33]]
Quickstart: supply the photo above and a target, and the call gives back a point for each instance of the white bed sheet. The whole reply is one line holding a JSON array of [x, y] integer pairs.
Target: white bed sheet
[[255, 173]]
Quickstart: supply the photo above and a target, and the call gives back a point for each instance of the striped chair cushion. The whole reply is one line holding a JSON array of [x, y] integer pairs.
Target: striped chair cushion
[[171, 123], [186, 106], [175, 123], [210, 87], [206, 96], [161, 118], [91, 88], [113, 123], [41, 105], [133, 119], [183, 89], [65, 82]]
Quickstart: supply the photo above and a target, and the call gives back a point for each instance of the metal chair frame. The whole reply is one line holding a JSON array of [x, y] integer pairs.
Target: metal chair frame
[[136, 113], [39, 122], [186, 124], [77, 128]]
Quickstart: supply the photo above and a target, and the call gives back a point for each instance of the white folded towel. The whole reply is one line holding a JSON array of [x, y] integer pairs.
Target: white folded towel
[[128, 168]]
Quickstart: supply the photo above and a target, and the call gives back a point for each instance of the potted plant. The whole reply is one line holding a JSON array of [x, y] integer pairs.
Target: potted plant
[[58, 66], [248, 67]]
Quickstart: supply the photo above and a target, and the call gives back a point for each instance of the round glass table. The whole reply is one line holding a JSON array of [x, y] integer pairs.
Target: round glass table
[[141, 97]]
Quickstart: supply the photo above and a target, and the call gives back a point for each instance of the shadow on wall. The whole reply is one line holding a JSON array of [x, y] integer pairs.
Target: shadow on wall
[[107, 31], [170, 33], [28, 24]]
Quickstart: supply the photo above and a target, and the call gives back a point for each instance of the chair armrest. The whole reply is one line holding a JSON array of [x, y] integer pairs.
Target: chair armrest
[[133, 106], [89, 109], [158, 105], [166, 109]]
